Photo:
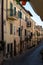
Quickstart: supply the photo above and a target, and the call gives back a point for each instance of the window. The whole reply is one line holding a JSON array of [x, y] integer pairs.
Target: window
[[14, 30], [14, 10], [19, 31], [11, 9], [28, 24], [25, 32], [19, 14], [11, 28], [26, 18]]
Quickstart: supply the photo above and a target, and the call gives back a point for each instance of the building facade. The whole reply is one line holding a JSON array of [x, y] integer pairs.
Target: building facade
[[38, 33], [15, 26]]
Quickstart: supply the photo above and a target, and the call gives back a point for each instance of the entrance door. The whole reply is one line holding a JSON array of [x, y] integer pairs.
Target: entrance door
[[15, 47]]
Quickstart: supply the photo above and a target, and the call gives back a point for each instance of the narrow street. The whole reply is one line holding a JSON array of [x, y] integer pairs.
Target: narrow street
[[21, 32], [32, 58]]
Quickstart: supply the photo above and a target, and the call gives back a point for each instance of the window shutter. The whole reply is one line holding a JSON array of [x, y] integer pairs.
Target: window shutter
[[14, 10], [19, 14], [11, 9]]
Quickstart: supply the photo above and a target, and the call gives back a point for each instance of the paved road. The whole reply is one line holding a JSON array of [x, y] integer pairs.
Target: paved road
[[28, 59]]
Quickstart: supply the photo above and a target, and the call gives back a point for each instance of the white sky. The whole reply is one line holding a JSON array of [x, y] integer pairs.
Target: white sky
[[35, 16]]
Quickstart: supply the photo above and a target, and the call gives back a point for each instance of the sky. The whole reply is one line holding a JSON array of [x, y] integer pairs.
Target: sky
[[35, 17]]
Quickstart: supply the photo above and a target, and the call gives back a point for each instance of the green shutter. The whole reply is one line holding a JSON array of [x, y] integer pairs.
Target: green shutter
[[19, 14], [14, 10], [11, 9], [11, 12]]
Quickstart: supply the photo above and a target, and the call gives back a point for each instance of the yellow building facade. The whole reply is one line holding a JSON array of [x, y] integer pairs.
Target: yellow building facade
[[38, 30], [12, 24]]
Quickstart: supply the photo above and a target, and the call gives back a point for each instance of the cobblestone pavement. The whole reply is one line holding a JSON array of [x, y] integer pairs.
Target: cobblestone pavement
[[31, 57]]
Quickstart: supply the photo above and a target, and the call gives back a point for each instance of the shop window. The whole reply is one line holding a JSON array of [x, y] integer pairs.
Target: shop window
[[14, 11]]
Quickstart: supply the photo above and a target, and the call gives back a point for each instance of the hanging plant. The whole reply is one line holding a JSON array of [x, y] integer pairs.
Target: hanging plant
[[23, 1], [17, 1]]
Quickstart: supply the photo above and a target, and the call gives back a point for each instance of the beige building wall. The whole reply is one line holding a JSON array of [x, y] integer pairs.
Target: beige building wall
[[41, 34], [9, 38], [33, 23], [32, 29]]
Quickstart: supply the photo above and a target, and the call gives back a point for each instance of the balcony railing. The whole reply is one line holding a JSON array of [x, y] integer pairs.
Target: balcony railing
[[10, 15]]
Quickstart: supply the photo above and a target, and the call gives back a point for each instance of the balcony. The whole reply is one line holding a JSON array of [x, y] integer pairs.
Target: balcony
[[11, 16]]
